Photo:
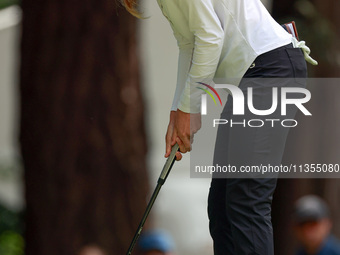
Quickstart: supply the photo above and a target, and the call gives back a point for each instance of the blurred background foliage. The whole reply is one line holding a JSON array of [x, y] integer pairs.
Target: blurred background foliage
[[11, 221], [6, 3], [318, 29], [11, 231]]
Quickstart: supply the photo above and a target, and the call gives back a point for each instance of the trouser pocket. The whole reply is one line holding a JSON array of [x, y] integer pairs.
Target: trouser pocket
[[298, 63]]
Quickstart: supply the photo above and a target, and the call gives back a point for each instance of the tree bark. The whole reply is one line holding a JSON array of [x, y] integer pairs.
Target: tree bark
[[82, 130]]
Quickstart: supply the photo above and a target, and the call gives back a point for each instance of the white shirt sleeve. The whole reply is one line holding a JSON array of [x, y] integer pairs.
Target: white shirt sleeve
[[184, 64], [206, 49]]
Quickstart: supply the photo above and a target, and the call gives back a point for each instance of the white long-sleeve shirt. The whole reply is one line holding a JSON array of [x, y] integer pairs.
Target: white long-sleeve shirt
[[218, 40]]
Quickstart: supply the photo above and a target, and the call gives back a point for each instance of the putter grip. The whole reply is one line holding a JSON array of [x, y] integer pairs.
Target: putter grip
[[168, 164]]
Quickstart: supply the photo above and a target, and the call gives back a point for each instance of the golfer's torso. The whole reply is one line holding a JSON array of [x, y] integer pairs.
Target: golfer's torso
[[249, 31]]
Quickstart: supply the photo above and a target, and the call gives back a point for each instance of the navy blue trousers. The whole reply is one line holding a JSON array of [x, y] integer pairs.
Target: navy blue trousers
[[239, 209]]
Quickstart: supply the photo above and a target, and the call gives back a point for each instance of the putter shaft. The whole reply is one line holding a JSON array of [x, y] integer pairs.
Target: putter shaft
[[161, 180]]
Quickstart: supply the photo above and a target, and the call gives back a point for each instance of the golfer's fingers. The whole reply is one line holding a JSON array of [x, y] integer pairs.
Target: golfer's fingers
[[180, 144], [182, 147], [178, 156], [169, 141], [167, 148], [186, 144]]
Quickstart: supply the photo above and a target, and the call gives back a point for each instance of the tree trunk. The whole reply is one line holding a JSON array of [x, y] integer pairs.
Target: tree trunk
[[82, 131]]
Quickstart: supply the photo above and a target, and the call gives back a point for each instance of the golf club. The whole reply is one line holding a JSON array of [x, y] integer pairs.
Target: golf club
[[161, 180]]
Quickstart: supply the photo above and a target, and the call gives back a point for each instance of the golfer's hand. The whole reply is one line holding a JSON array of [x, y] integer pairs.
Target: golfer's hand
[[181, 130], [186, 125], [170, 137]]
